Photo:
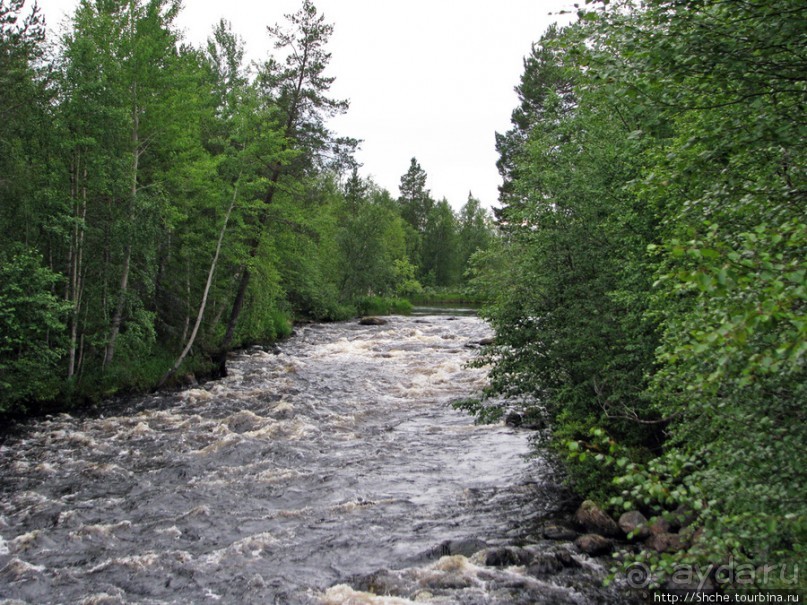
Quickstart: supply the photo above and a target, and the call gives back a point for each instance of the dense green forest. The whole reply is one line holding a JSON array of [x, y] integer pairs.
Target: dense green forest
[[649, 287], [161, 204]]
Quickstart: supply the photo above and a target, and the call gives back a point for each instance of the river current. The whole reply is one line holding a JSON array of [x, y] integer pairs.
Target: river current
[[317, 473]]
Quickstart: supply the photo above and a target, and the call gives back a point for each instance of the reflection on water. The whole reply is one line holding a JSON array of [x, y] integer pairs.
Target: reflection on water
[[298, 473]]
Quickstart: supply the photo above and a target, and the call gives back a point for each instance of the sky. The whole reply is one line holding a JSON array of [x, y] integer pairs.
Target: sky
[[431, 79]]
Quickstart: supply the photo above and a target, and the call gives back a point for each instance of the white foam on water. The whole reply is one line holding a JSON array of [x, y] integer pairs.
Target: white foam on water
[[172, 532], [196, 395], [46, 468], [251, 547], [133, 562], [100, 531], [17, 569], [25, 541], [342, 594], [104, 598], [276, 475]]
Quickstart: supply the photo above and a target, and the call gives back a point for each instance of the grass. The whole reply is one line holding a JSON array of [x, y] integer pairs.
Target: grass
[[445, 296], [380, 305]]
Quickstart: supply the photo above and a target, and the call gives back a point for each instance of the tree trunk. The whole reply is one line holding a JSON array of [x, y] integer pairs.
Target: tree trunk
[[206, 292], [76, 276], [109, 353], [238, 303]]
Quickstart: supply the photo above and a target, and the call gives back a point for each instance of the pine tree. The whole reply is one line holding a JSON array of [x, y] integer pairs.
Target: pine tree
[[298, 88]]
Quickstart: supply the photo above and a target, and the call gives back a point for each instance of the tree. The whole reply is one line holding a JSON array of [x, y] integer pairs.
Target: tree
[[415, 201], [121, 85], [475, 233], [371, 242], [26, 146], [729, 82], [569, 305], [440, 260], [299, 89], [31, 330], [546, 87]]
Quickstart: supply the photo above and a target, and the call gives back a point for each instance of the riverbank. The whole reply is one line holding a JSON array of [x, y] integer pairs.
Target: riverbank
[[89, 391]]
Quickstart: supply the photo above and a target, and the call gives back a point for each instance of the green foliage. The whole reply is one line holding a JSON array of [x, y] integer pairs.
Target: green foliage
[[446, 296], [439, 256], [185, 203], [649, 286], [568, 284], [377, 305], [483, 411], [415, 200], [405, 283], [31, 331]]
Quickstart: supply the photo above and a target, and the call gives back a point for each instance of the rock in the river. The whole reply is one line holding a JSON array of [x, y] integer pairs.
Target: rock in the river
[[594, 544], [502, 556], [566, 559], [554, 531], [486, 341], [634, 521], [373, 321], [382, 582], [513, 419], [546, 564], [466, 547], [594, 520]]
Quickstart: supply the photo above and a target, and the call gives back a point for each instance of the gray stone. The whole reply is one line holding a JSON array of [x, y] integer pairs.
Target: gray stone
[[591, 518], [513, 419], [664, 542], [553, 531], [373, 321], [636, 522], [594, 544], [466, 548], [544, 565], [503, 556]]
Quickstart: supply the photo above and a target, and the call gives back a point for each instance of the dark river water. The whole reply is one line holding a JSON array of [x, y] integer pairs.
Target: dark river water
[[296, 479]]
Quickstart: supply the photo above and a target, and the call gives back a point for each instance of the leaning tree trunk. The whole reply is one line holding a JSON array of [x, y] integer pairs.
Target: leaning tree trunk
[[240, 296], [205, 294], [76, 284]]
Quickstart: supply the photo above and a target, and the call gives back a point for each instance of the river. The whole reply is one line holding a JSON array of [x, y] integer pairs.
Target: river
[[311, 474]]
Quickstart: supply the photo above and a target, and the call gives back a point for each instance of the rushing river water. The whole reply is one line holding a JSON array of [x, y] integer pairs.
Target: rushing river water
[[299, 478]]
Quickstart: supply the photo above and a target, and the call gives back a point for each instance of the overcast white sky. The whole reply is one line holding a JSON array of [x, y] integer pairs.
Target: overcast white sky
[[431, 79]]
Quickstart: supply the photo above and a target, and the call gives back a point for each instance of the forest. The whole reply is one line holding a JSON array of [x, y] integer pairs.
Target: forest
[[163, 204], [644, 274], [648, 288]]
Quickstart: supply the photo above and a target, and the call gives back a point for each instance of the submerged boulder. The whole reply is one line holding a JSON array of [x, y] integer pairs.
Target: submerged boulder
[[554, 531], [449, 548], [503, 556], [513, 419]]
